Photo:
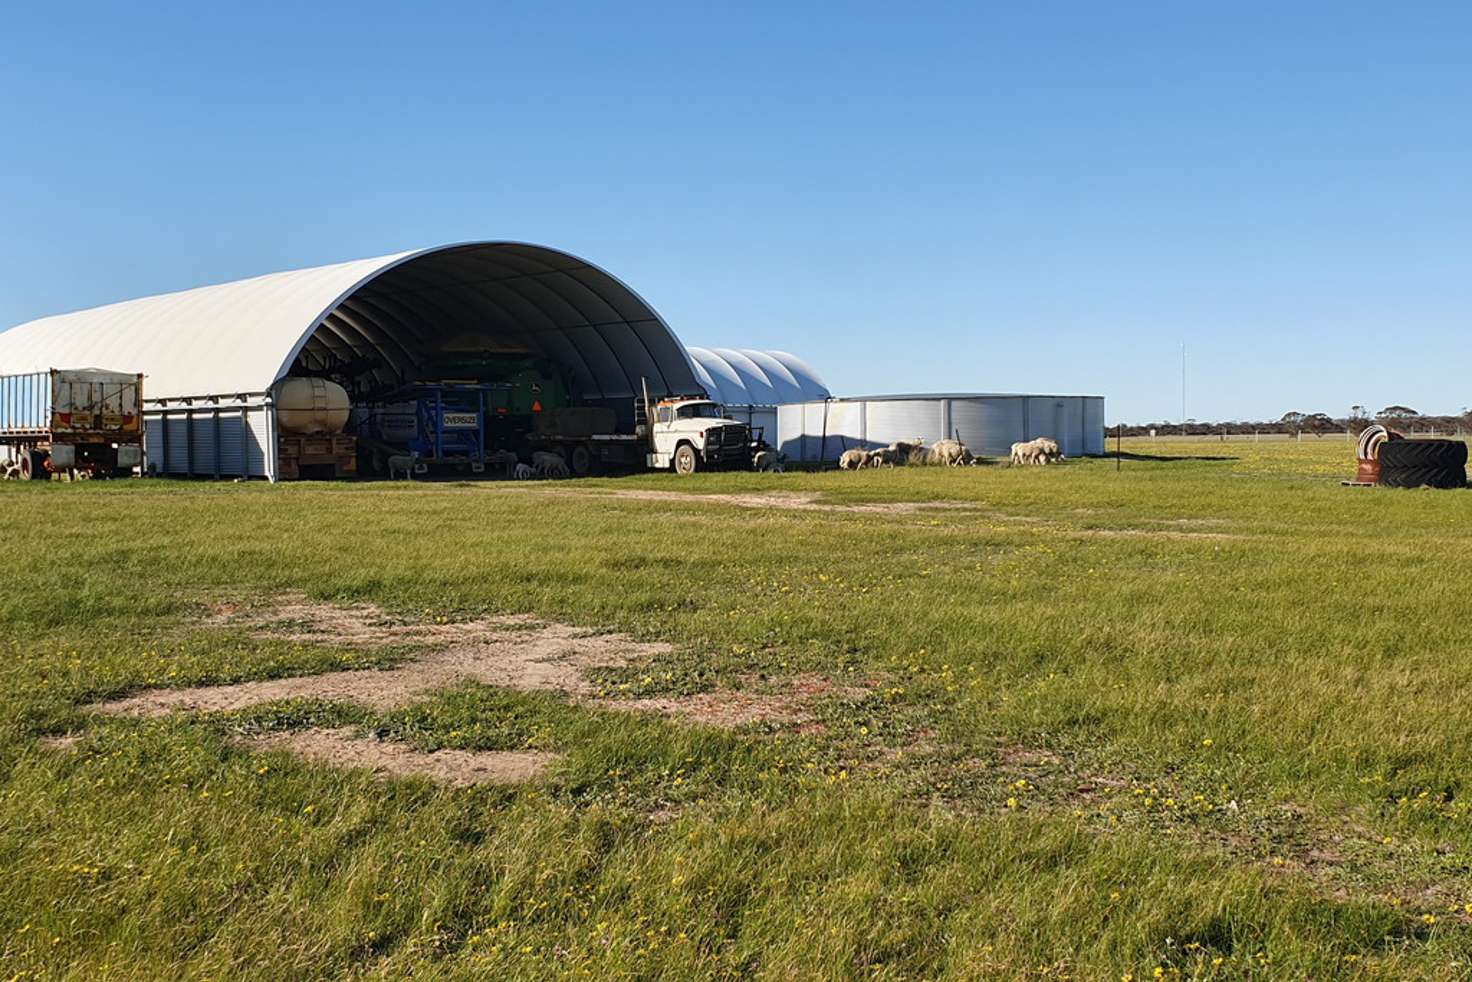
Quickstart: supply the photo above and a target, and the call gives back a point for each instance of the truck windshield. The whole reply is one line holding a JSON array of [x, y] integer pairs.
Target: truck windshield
[[700, 410]]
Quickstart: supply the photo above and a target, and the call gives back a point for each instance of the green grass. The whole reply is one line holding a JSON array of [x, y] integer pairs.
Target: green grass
[[1198, 714]]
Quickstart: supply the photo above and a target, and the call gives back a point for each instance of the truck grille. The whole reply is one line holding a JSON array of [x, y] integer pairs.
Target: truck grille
[[734, 435]]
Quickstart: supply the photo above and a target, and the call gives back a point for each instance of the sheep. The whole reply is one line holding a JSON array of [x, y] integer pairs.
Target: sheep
[[767, 460], [523, 472], [548, 464], [852, 460], [950, 453], [1043, 450], [884, 457], [908, 451], [1025, 453], [406, 462]]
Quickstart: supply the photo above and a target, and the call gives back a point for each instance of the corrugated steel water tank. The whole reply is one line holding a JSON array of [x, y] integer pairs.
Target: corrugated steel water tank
[[988, 423]]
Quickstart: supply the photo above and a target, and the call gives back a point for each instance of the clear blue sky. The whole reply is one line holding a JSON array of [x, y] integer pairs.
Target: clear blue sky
[[1022, 197]]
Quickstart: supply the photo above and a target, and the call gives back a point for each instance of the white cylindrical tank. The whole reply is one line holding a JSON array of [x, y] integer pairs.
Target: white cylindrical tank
[[311, 405]]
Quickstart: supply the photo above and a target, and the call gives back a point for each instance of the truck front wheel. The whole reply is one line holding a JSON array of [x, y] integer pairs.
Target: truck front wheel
[[686, 462]]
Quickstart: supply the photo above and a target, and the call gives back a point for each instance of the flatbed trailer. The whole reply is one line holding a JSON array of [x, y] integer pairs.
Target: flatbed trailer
[[83, 422]]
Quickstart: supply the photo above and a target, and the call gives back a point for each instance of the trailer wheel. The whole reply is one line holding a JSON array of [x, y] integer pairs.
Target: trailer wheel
[[686, 462], [33, 466], [581, 460]]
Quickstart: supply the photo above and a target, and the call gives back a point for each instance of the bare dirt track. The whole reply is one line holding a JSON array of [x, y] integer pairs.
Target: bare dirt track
[[387, 758], [514, 652], [511, 652]]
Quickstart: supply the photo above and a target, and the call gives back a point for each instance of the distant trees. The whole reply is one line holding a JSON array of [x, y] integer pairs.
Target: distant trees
[[1319, 423], [1401, 418]]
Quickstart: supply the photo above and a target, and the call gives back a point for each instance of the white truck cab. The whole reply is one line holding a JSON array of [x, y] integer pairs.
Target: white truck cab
[[694, 434]]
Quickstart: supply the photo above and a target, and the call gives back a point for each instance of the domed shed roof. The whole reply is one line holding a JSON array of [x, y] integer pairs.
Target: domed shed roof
[[746, 377], [389, 313]]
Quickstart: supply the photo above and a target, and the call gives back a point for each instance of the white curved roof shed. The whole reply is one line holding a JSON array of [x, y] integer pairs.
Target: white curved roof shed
[[387, 313], [744, 377]]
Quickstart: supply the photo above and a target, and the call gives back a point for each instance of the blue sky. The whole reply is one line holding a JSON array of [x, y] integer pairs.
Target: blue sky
[[1024, 197]]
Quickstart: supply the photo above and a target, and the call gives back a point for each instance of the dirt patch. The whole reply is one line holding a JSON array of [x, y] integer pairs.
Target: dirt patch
[[293, 617], [511, 652], [783, 500], [724, 707], [386, 759], [730, 708]]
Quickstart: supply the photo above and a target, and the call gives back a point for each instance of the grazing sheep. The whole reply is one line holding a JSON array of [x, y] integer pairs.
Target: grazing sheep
[[884, 457], [1043, 450], [767, 460], [908, 451], [405, 462], [950, 453], [852, 460], [548, 464], [523, 472]]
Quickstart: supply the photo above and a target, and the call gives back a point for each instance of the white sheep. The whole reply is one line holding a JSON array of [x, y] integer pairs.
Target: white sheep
[[767, 460], [950, 453], [548, 464], [405, 462], [1043, 450], [523, 472], [852, 460]]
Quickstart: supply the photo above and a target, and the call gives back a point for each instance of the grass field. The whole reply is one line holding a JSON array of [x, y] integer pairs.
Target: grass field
[[1201, 717]]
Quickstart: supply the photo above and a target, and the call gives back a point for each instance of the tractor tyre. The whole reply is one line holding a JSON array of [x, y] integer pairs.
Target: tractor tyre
[[1422, 477], [1438, 454]]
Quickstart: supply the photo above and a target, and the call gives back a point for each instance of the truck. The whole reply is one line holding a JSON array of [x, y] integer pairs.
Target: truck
[[686, 434], [691, 434], [81, 422]]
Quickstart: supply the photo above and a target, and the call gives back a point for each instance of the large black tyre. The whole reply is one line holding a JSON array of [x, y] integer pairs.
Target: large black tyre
[[1422, 477], [1438, 454]]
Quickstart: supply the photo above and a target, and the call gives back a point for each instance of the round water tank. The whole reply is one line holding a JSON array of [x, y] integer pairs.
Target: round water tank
[[311, 405]]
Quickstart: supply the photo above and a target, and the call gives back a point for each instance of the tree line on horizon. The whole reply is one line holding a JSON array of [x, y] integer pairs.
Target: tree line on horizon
[[1294, 423]]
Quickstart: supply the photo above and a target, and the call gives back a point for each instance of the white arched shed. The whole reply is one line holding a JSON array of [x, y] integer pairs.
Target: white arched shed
[[752, 384]]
